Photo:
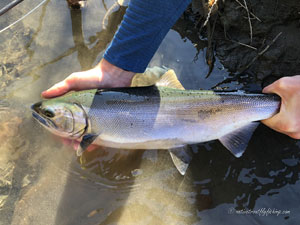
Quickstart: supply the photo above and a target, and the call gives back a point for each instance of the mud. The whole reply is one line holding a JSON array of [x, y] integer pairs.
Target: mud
[[253, 53]]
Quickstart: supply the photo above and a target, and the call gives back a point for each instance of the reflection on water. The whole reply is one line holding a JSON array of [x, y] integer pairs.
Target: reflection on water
[[42, 182]]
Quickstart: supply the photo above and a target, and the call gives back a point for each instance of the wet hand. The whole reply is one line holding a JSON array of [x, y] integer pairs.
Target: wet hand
[[104, 75], [287, 121], [75, 144]]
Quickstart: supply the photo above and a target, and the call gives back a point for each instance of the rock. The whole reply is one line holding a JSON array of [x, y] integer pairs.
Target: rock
[[77, 4]]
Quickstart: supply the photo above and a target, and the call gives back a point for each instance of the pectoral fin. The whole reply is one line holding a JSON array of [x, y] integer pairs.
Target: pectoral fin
[[181, 158], [85, 142], [237, 141]]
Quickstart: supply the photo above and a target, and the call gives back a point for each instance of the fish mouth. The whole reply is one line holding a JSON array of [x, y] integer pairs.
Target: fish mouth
[[36, 107], [36, 114], [40, 119]]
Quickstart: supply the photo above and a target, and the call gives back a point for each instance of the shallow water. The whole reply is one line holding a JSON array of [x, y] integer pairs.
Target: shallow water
[[43, 182]]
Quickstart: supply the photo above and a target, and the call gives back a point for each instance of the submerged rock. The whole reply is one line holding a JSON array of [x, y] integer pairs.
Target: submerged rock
[[77, 4]]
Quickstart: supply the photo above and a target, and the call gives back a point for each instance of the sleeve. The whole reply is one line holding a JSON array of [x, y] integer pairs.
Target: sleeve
[[144, 26]]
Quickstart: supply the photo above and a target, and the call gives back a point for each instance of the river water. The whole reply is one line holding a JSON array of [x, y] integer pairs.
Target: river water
[[43, 182]]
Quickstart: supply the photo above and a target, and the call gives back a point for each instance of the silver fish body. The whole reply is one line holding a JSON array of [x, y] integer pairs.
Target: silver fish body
[[162, 116]]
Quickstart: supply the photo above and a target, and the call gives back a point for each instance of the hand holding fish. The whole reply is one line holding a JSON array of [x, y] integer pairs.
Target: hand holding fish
[[102, 75], [287, 121]]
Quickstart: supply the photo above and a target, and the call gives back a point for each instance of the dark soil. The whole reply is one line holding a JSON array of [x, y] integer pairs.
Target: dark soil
[[266, 58]]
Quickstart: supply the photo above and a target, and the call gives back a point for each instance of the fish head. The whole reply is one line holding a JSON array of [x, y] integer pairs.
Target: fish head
[[64, 119]]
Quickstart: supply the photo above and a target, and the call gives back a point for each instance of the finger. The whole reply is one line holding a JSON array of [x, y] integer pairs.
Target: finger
[[92, 148], [282, 87], [56, 90], [295, 135], [276, 88], [66, 141], [75, 144], [277, 125], [83, 83], [273, 122], [282, 122], [272, 88]]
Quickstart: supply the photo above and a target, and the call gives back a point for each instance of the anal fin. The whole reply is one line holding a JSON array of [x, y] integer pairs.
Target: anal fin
[[237, 141]]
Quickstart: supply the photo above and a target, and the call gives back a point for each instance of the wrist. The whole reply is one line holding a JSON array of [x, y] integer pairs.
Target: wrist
[[113, 76]]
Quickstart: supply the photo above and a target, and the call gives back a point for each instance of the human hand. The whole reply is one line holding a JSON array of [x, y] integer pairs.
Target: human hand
[[104, 75], [75, 144], [287, 121]]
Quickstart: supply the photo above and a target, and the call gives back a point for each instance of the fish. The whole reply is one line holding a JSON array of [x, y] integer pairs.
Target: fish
[[160, 116]]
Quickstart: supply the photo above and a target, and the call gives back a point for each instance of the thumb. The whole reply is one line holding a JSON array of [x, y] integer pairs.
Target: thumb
[[270, 88]]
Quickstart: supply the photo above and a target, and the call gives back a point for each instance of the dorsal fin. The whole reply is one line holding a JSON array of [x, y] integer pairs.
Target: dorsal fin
[[169, 79]]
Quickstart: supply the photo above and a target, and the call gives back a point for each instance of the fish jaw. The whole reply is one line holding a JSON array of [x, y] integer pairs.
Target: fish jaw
[[40, 119]]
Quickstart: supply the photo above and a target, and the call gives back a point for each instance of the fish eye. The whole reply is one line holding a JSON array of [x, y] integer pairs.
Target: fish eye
[[48, 113]]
